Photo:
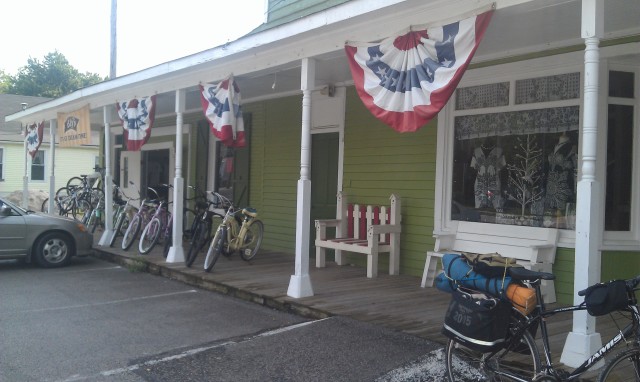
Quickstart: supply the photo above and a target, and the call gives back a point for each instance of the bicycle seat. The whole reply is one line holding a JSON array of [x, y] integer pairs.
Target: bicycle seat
[[250, 212], [524, 274]]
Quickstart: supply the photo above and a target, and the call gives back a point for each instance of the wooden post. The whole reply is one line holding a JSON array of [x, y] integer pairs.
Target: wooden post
[[583, 341], [176, 252], [300, 283], [108, 186]]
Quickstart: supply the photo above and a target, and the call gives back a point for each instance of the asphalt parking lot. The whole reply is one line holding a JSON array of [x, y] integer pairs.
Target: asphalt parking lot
[[96, 321]]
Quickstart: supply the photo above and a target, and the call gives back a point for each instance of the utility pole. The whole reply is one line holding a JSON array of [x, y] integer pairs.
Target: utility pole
[[114, 43]]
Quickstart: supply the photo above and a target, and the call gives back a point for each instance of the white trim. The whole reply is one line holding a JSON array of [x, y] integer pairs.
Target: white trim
[[44, 165]]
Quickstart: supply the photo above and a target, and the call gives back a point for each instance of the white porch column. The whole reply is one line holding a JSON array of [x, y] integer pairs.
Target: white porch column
[[108, 183], [583, 341], [176, 252], [300, 283], [25, 176], [53, 126]]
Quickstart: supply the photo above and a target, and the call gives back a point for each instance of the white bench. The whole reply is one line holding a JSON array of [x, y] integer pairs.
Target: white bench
[[362, 229], [533, 247]]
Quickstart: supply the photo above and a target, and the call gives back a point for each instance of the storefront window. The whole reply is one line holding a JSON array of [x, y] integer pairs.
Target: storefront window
[[619, 151], [517, 167]]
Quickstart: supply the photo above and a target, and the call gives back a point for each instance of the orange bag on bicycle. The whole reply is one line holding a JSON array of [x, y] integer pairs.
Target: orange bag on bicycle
[[522, 298]]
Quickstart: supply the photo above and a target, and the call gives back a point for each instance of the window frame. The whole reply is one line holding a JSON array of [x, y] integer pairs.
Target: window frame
[[44, 167], [621, 240], [540, 67]]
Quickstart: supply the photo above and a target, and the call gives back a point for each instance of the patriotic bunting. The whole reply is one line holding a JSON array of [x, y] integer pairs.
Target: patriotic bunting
[[137, 118], [406, 80], [33, 136], [221, 106]]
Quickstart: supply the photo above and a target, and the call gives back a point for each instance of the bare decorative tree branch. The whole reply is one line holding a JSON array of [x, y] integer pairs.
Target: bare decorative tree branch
[[525, 174]]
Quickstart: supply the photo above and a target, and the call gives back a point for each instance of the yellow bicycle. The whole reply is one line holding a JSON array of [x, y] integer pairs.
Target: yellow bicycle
[[240, 231]]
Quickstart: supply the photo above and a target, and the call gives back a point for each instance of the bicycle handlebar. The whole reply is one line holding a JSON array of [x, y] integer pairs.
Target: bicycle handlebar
[[220, 199], [631, 285]]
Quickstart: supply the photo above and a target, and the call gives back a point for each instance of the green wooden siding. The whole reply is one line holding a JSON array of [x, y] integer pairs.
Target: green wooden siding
[[275, 168], [283, 11], [379, 161], [615, 265]]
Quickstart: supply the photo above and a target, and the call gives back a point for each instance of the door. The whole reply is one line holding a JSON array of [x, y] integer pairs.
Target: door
[[130, 162], [155, 172], [324, 179]]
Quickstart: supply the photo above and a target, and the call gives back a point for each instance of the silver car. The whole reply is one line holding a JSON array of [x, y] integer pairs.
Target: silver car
[[48, 240]]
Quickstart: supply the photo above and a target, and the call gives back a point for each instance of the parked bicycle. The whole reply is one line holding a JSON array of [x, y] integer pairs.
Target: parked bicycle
[[159, 228], [201, 228], [240, 231], [69, 201], [140, 219], [122, 215], [518, 359]]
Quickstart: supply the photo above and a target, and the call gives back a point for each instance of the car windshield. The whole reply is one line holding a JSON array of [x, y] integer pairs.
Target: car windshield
[[2, 202]]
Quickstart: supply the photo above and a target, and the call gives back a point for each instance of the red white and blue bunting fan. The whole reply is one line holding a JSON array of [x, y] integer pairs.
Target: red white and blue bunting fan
[[137, 118], [405, 80], [33, 135], [221, 105]]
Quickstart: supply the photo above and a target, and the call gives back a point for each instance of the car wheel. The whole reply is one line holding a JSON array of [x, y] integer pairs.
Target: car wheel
[[53, 250]]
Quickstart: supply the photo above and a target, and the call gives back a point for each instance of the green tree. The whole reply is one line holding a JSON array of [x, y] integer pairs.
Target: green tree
[[5, 82], [53, 77]]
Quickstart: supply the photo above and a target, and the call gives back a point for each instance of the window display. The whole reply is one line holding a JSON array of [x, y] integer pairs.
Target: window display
[[517, 167]]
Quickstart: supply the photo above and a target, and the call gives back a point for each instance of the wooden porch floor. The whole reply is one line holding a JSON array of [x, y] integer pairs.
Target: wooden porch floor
[[395, 302]]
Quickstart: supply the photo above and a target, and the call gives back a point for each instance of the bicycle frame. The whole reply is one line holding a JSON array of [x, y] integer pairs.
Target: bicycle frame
[[236, 231], [527, 322]]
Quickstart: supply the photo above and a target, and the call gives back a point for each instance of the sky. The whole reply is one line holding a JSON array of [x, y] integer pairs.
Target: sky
[[149, 32]]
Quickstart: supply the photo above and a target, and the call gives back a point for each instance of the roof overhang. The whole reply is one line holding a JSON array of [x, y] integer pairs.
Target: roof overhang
[[272, 56]]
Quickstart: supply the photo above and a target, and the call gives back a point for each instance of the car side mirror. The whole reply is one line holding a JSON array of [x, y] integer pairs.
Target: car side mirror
[[5, 210]]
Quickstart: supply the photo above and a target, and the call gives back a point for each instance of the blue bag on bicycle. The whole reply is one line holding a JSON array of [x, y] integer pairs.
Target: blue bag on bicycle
[[457, 272]]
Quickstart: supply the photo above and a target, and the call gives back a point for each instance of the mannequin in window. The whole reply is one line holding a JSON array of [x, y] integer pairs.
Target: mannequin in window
[[488, 160], [560, 179]]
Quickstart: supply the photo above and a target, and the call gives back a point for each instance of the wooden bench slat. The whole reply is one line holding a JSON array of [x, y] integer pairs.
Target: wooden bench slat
[[533, 247], [369, 230]]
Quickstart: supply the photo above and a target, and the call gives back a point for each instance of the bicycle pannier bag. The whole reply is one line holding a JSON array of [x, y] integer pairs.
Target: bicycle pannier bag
[[522, 298], [605, 298], [476, 321]]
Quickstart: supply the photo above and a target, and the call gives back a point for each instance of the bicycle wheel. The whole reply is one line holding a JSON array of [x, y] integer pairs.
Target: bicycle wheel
[[76, 181], [215, 249], [625, 366], [198, 241], [132, 232], [521, 358], [81, 210], [149, 236], [189, 223], [116, 228], [64, 196], [252, 240], [45, 207], [95, 219]]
